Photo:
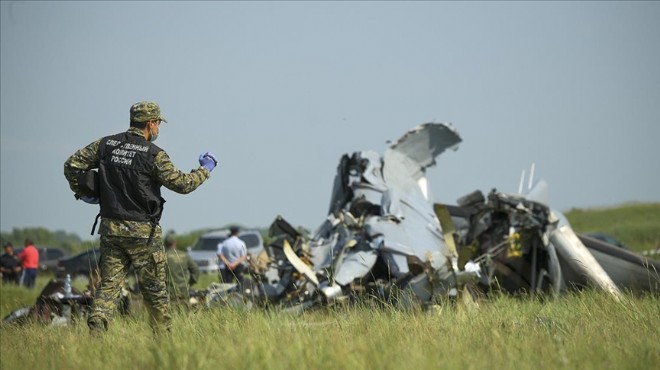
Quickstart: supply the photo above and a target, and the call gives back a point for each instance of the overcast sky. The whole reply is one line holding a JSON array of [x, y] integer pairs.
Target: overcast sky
[[280, 90]]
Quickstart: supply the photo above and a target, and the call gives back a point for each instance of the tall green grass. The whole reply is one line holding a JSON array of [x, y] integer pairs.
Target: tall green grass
[[585, 330]]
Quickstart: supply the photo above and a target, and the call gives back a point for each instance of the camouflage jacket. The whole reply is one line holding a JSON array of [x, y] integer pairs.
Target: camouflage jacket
[[181, 272], [165, 173]]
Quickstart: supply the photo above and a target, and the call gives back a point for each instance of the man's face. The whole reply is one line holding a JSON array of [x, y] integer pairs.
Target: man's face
[[9, 250], [154, 127]]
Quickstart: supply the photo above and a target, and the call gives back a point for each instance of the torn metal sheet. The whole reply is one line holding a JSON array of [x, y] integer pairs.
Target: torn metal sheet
[[425, 142], [298, 264], [580, 259], [355, 265], [382, 202]]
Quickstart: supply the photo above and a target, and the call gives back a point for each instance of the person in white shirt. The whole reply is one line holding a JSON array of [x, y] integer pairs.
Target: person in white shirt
[[232, 257]]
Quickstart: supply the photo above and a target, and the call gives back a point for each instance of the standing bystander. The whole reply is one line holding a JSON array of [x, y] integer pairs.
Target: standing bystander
[[10, 265], [182, 272], [232, 255], [29, 257]]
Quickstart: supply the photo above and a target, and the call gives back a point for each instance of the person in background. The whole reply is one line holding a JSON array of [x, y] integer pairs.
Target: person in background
[[232, 255], [131, 172], [10, 265], [29, 257], [182, 272]]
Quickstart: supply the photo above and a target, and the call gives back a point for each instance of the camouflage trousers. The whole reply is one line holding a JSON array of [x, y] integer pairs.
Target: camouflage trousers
[[117, 254]]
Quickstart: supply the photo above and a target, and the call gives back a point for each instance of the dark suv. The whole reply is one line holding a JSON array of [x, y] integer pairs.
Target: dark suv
[[81, 265], [49, 257]]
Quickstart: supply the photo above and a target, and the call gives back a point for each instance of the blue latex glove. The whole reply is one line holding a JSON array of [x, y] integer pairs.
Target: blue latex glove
[[208, 161], [90, 200], [212, 156]]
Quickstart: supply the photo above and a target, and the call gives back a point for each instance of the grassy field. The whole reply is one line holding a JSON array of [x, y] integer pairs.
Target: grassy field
[[586, 330], [636, 225]]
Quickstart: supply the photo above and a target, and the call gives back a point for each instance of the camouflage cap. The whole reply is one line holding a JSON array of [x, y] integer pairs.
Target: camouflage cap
[[145, 111], [170, 238]]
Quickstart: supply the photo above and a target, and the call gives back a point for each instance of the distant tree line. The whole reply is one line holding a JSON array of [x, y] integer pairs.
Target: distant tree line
[[43, 237], [72, 243]]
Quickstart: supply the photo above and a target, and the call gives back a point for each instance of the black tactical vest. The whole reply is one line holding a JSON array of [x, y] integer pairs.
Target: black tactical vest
[[128, 191]]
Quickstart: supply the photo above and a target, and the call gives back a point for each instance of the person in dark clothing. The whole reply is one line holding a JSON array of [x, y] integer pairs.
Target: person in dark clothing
[[10, 265], [131, 172]]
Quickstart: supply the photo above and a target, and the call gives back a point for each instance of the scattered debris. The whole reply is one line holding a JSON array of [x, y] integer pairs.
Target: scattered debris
[[383, 238]]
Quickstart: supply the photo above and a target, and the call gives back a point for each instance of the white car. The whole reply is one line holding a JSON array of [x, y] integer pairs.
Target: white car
[[205, 250]]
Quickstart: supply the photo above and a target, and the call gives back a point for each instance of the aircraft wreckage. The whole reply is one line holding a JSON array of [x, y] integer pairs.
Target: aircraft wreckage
[[384, 238]]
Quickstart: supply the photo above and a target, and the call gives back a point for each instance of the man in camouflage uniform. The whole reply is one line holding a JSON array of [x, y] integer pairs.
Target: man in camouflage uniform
[[131, 171], [182, 272]]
